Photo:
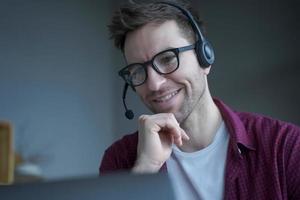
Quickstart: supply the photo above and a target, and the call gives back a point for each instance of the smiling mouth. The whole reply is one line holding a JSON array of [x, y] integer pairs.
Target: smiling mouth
[[166, 97]]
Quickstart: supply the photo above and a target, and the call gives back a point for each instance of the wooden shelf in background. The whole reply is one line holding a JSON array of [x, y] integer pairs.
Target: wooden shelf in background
[[6, 153]]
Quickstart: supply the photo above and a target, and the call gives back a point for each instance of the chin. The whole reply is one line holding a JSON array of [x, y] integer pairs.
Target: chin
[[179, 117]]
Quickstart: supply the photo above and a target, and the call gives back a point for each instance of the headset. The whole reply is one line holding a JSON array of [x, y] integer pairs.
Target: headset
[[203, 49]]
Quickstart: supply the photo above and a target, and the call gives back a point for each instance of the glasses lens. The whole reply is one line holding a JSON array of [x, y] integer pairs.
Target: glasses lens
[[135, 74], [166, 62]]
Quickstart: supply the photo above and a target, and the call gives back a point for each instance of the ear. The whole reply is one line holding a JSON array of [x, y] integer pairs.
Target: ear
[[207, 70]]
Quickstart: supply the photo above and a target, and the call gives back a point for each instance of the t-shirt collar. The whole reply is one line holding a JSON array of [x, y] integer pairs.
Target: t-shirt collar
[[235, 126]]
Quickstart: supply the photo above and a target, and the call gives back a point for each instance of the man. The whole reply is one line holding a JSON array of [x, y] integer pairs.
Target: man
[[208, 150]]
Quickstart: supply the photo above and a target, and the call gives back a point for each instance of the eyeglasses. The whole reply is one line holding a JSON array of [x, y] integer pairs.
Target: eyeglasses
[[164, 62]]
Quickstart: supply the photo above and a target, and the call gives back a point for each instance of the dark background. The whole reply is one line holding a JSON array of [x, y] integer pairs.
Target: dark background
[[59, 85]]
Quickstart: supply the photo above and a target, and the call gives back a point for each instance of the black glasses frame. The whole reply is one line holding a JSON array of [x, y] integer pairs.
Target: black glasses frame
[[124, 71]]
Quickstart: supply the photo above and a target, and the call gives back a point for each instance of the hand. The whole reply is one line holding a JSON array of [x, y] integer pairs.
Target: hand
[[157, 133]]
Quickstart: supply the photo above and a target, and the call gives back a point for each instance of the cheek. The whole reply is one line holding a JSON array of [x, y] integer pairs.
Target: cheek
[[189, 64], [141, 92], [188, 74], [191, 76]]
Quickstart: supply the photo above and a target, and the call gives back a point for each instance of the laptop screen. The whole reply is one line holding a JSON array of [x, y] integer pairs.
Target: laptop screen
[[114, 186]]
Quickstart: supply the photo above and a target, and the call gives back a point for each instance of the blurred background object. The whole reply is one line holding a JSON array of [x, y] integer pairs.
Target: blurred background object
[[26, 172], [59, 84], [6, 154], [13, 169]]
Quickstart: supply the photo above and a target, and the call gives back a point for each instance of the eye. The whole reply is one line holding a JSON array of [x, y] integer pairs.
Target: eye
[[165, 58], [136, 74], [166, 61]]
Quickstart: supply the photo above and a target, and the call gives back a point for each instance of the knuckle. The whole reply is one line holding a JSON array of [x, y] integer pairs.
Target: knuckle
[[171, 119], [143, 119], [170, 115]]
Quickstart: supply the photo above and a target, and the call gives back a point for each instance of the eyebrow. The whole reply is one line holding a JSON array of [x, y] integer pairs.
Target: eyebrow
[[167, 48]]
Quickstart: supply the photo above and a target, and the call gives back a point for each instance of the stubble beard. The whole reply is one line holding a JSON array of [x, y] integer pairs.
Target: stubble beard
[[189, 106]]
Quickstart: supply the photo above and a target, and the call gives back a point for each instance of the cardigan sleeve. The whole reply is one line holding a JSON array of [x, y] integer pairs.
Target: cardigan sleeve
[[292, 152], [120, 156]]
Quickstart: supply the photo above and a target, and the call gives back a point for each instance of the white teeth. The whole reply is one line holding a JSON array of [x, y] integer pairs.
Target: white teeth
[[167, 97]]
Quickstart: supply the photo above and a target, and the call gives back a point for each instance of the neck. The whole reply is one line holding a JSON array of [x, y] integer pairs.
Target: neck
[[202, 124]]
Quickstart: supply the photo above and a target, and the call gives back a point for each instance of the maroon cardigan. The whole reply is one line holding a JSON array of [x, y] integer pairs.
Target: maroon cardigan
[[263, 158]]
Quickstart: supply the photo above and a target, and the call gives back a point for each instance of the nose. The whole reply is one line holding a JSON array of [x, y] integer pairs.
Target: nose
[[154, 80]]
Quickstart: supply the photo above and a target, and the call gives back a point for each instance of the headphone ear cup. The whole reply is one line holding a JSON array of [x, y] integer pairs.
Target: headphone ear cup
[[205, 53]]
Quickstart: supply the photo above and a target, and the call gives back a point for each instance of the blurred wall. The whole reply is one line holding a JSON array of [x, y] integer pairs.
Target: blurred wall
[[59, 83], [257, 66], [55, 82]]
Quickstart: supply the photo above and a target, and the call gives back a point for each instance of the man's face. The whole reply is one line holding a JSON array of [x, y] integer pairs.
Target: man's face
[[178, 92]]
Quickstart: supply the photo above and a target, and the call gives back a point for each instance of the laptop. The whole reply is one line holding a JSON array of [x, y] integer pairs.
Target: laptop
[[113, 186]]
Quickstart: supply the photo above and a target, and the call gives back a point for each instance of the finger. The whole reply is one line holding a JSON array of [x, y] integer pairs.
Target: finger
[[178, 141], [184, 135], [165, 123], [175, 138], [168, 123]]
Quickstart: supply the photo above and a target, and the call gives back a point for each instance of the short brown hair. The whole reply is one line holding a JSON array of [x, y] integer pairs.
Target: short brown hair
[[133, 15]]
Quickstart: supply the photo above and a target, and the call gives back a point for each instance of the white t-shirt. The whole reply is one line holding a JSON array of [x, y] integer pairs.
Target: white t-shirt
[[200, 174]]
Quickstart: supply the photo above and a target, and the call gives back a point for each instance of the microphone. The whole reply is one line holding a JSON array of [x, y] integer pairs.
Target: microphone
[[128, 113]]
